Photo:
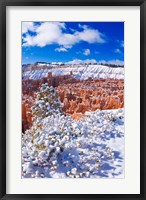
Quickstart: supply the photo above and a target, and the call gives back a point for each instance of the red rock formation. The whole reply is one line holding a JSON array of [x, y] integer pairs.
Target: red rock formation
[[27, 103], [92, 94], [77, 96]]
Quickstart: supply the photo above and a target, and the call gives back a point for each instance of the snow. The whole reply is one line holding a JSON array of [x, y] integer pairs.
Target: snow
[[60, 147], [82, 72]]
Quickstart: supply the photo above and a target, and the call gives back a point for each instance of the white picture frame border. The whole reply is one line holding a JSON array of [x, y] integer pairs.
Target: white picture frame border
[[131, 17]]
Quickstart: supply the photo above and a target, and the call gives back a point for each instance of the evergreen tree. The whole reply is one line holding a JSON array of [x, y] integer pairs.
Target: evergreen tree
[[46, 102]]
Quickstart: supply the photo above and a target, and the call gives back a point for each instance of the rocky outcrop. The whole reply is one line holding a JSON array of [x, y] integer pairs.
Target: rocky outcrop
[[30, 86], [76, 96], [91, 95], [27, 103]]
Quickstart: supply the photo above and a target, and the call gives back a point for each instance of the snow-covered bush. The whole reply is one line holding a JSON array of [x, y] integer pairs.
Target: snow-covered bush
[[46, 103], [58, 146]]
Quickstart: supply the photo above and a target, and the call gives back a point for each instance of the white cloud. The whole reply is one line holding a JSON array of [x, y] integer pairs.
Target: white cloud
[[61, 49], [54, 33], [72, 29], [112, 62], [67, 39], [86, 52], [47, 33], [78, 61], [82, 26], [88, 61], [27, 26], [120, 43], [75, 61], [90, 36], [117, 51]]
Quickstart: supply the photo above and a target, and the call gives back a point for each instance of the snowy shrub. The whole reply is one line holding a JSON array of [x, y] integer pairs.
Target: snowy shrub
[[58, 146], [46, 103]]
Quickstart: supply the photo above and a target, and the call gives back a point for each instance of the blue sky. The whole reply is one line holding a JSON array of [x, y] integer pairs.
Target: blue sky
[[72, 42]]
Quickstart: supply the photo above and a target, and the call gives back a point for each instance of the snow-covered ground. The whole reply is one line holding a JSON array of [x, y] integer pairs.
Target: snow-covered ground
[[83, 73], [60, 147]]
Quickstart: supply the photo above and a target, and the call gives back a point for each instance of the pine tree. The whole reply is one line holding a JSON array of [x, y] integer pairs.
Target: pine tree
[[46, 103]]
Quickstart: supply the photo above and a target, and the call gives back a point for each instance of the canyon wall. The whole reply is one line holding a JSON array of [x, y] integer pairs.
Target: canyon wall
[[77, 96]]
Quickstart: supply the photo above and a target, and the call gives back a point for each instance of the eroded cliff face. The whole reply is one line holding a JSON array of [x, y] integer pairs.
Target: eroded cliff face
[[91, 95], [27, 103], [76, 96]]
